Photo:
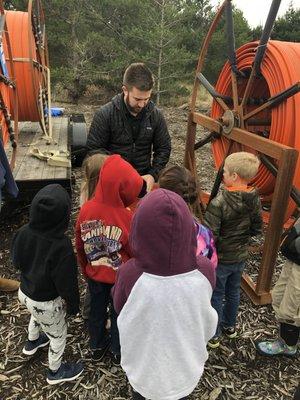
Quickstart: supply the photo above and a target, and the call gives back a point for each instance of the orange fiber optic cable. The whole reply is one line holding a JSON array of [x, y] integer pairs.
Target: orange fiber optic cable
[[280, 70]]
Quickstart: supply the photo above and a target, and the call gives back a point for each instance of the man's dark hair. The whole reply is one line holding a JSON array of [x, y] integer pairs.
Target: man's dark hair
[[139, 76]]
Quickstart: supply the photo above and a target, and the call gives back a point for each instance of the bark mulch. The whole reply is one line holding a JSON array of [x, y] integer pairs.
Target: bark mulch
[[234, 371]]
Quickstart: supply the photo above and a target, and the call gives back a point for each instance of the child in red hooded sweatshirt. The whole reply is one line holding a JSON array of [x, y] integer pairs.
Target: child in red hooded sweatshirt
[[102, 231]]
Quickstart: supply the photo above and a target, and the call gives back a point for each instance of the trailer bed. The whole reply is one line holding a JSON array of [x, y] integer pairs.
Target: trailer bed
[[31, 173]]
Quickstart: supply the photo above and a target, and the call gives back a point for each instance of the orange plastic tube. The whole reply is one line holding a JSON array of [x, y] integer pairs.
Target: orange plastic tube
[[5, 92], [280, 69], [27, 73]]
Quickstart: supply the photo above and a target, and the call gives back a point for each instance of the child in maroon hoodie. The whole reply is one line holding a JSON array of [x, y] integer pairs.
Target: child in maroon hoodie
[[162, 295], [102, 231]]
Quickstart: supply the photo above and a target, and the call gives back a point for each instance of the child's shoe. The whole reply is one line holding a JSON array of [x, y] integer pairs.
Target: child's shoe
[[276, 348], [31, 346], [214, 342], [66, 372], [98, 354], [230, 332], [116, 359]]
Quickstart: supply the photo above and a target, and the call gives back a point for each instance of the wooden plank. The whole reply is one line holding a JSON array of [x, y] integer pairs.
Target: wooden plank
[[248, 287], [189, 157], [26, 135], [284, 180], [208, 122], [60, 172], [29, 168], [263, 145], [49, 170]]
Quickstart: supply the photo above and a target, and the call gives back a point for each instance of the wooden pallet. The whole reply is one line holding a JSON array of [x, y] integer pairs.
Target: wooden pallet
[[31, 173]]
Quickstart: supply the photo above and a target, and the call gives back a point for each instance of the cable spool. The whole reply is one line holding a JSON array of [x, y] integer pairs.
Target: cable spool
[[255, 108], [8, 91], [30, 60], [280, 70]]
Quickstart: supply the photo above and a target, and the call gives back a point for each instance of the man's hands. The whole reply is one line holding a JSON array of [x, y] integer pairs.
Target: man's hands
[[149, 180]]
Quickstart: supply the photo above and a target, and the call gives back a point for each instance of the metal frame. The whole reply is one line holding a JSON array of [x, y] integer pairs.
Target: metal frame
[[232, 126]]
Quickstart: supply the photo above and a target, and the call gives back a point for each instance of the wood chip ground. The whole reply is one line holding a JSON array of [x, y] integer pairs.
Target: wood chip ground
[[234, 371]]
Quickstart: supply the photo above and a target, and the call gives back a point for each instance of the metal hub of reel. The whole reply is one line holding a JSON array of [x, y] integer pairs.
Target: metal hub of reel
[[229, 120]]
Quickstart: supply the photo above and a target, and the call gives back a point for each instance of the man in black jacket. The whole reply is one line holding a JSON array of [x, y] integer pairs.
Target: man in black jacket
[[132, 126]]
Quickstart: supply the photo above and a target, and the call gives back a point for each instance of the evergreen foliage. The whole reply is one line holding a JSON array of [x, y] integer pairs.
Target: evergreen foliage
[[92, 42]]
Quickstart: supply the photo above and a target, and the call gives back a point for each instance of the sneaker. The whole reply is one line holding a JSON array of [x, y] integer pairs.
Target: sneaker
[[230, 332], [214, 342], [116, 359], [275, 348], [31, 346], [98, 354], [66, 372]]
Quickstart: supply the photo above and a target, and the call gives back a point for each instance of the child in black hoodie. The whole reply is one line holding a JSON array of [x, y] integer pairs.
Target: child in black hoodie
[[49, 287]]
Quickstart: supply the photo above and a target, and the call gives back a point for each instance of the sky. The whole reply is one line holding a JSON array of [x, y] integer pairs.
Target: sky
[[256, 11]]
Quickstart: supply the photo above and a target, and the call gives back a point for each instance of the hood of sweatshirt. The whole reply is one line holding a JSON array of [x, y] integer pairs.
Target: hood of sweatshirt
[[50, 211], [119, 183], [241, 201], [163, 235]]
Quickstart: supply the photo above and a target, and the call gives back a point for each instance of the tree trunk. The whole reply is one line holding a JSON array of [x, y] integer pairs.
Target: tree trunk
[[160, 54]]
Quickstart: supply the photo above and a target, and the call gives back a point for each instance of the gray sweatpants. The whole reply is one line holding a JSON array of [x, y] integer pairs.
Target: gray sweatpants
[[286, 294], [49, 316]]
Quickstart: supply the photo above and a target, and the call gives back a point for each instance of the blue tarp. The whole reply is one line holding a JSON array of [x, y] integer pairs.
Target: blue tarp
[[55, 111]]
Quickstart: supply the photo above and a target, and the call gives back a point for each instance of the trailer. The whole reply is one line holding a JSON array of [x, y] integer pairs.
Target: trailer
[[32, 173]]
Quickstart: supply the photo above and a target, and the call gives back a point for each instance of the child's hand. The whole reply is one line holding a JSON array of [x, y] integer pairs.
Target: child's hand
[[149, 180]]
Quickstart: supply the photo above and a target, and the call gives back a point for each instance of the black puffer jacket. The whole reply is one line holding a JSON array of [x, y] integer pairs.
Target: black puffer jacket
[[110, 131]]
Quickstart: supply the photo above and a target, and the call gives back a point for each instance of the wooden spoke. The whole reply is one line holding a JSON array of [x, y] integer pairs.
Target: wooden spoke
[[275, 100], [211, 90], [234, 91]]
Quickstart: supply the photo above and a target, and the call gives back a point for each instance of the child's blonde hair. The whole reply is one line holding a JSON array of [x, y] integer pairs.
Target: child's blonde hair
[[244, 164], [91, 167]]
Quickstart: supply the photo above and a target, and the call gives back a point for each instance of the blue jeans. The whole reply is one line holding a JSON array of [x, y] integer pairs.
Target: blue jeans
[[226, 296], [100, 299]]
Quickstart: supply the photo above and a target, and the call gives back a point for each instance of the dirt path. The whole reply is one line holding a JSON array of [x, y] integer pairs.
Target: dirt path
[[234, 371]]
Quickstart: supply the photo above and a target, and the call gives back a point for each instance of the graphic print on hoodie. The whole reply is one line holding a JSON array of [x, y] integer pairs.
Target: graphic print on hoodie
[[103, 224], [102, 243], [162, 296]]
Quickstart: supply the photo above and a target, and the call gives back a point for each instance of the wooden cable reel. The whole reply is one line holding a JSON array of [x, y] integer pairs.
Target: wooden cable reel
[[30, 59], [254, 109], [8, 90]]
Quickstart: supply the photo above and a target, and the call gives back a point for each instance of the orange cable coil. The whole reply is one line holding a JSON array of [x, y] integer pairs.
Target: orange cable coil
[[28, 76], [280, 69]]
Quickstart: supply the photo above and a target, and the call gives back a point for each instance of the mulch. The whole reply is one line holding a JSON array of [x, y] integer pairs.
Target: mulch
[[233, 371]]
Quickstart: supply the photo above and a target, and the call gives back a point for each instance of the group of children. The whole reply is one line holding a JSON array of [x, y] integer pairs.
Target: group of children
[[161, 283]]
